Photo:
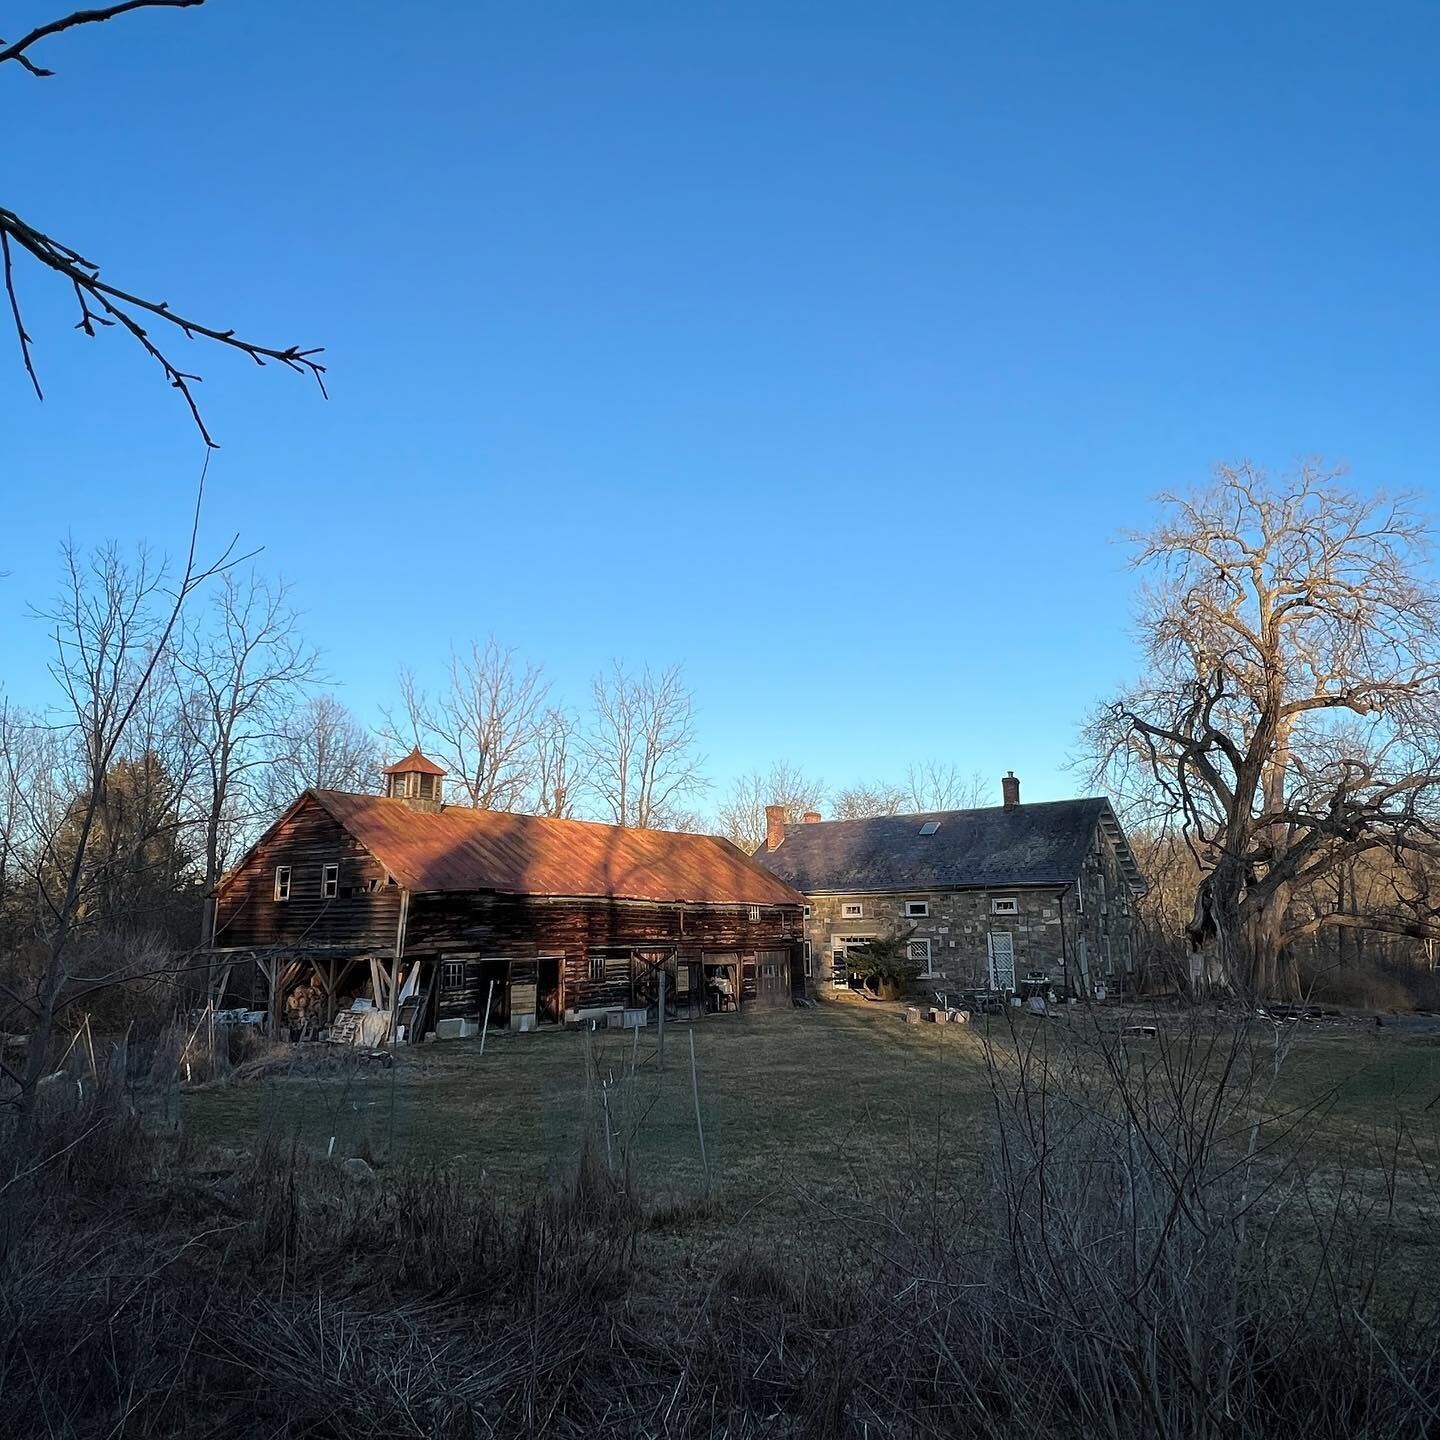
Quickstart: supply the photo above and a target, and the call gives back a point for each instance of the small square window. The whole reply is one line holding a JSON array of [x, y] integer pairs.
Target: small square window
[[329, 882], [929, 827], [282, 882], [852, 910], [452, 975], [807, 912], [597, 968], [1005, 905], [916, 909], [754, 914]]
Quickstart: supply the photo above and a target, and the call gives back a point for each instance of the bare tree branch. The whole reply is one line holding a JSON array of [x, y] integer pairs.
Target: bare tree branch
[[16, 51]]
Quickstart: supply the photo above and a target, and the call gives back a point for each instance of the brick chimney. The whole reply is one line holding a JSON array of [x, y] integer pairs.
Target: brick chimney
[[774, 825], [812, 817], [1010, 790]]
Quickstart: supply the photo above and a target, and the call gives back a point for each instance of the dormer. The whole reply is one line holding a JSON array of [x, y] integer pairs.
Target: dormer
[[415, 780]]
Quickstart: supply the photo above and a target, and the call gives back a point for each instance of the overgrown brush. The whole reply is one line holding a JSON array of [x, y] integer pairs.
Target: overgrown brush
[[1160, 1252]]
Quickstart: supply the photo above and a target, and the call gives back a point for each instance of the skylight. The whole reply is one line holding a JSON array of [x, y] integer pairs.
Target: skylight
[[929, 827]]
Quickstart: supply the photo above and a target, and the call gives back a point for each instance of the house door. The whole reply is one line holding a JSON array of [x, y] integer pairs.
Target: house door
[[1002, 960], [772, 978]]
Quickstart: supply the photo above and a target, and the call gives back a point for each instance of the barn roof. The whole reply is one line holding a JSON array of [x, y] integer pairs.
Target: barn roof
[[1033, 844], [414, 763], [461, 849]]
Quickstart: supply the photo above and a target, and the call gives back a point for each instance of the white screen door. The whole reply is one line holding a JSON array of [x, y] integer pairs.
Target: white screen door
[[1002, 960]]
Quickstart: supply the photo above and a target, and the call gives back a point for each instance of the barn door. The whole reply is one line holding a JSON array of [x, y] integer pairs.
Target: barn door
[[773, 975], [1002, 960]]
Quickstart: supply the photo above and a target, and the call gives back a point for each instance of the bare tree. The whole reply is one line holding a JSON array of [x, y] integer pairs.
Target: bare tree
[[322, 746], [561, 771], [641, 747], [742, 817], [32, 808], [101, 305], [861, 802], [1288, 713], [243, 667], [939, 785], [482, 727], [111, 626]]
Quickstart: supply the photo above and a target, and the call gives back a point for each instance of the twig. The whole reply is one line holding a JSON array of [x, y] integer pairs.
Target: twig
[[115, 307]]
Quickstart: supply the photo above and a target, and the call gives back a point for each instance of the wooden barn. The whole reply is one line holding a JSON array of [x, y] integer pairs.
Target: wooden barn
[[436, 913]]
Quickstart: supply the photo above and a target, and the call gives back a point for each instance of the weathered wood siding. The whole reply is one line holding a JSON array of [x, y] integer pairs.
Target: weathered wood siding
[[363, 914], [488, 926]]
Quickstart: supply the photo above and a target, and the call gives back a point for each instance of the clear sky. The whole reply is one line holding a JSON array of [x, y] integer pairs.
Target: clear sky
[[825, 348]]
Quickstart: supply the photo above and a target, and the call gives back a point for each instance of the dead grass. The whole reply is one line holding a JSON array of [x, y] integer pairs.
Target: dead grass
[[911, 1234], [805, 1102]]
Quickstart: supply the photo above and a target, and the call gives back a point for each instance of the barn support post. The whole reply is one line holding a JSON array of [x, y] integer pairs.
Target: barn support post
[[270, 970], [660, 1048], [391, 1028]]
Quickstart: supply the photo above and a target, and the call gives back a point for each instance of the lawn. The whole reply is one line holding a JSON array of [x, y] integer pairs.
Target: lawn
[[805, 1112]]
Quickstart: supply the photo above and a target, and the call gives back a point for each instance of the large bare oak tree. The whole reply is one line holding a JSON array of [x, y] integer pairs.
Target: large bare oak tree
[[1291, 630]]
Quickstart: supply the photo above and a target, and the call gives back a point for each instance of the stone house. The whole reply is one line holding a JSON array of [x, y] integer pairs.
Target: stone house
[[989, 897]]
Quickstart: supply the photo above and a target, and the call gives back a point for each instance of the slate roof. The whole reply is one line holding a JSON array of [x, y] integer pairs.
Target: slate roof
[[462, 849], [1031, 844]]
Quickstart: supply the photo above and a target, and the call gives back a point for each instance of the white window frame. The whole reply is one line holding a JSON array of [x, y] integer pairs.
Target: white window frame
[[917, 909], [929, 971], [807, 912], [1005, 905], [754, 914], [330, 880], [990, 940], [852, 909], [282, 882], [809, 961], [843, 944]]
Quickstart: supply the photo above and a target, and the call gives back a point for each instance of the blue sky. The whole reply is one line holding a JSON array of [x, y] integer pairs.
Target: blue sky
[[824, 348]]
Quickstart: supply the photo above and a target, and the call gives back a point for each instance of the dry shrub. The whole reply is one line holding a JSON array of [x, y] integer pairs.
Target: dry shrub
[[1155, 1255], [1366, 985]]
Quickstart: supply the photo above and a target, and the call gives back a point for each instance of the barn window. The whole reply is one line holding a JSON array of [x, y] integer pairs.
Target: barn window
[[807, 912], [1004, 905], [916, 909], [282, 882], [597, 968], [329, 882], [452, 975], [920, 955], [809, 962], [754, 914], [852, 910]]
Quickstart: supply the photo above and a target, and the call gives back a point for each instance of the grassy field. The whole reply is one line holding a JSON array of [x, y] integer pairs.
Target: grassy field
[[839, 1107]]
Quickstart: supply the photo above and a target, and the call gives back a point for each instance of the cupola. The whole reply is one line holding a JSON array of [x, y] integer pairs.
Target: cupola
[[416, 780]]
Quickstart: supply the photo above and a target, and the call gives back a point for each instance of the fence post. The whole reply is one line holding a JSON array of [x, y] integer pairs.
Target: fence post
[[699, 1124], [485, 1024]]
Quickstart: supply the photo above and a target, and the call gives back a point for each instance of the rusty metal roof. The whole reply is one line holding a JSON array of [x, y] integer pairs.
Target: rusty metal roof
[[462, 849], [414, 764]]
